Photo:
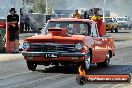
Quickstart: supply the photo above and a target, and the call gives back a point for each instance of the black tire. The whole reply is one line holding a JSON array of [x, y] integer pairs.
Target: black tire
[[111, 30], [116, 30], [56, 64], [31, 65], [106, 63], [86, 62]]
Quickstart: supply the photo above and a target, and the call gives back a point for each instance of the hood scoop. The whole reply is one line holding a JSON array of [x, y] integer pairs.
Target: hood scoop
[[58, 31]]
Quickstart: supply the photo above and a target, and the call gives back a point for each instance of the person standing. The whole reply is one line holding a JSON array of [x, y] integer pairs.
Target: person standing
[[13, 29], [22, 21], [27, 23], [98, 19], [86, 15], [76, 14]]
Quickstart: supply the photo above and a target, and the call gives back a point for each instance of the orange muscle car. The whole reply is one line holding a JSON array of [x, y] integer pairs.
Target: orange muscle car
[[67, 41]]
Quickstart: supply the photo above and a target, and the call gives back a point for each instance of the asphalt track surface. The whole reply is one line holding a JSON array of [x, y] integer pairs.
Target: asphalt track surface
[[14, 73]]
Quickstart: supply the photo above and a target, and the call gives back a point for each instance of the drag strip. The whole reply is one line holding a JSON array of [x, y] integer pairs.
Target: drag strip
[[64, 77], [14, 72]]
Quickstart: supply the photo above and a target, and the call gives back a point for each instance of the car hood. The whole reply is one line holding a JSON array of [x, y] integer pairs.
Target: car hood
[[50, 38]]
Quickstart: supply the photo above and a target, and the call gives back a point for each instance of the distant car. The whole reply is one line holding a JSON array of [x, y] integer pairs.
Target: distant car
[[111, 24], [124, 22]]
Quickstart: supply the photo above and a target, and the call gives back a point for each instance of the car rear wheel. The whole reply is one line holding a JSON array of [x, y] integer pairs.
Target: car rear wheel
[[31, 65], [106, 62], [86, 62]]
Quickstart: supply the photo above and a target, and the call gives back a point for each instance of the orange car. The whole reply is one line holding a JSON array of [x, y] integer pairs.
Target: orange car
[[68, 41]]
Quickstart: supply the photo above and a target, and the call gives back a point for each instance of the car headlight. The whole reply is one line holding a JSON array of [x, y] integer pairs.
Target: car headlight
[[78, 46], [26, 45]]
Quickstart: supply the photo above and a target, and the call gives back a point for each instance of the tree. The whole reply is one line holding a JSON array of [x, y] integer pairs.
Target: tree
[[39, 6]]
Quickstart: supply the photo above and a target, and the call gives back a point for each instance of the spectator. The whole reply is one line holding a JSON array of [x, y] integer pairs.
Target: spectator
[[86, 15], [96, 17], [27, 23], [22, 21], [76, 14], [13, 28]]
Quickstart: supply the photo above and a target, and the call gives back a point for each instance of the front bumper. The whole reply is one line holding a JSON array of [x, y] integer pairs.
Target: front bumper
[[60, 54]]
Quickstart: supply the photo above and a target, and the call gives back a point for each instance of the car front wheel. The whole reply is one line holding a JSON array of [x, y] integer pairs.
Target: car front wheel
[[86, 62], [31, 65]]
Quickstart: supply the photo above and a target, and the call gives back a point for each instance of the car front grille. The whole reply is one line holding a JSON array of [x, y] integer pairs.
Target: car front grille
[[51, 47]]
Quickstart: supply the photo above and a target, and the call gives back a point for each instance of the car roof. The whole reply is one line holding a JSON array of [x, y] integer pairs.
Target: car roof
[[73, 19]]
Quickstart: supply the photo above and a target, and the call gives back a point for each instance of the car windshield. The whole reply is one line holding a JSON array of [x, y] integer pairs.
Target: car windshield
[[72, 27], [108, 20], [122, 19]]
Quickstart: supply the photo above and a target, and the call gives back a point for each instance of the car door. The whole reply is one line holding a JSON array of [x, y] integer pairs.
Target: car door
[[99, 49]]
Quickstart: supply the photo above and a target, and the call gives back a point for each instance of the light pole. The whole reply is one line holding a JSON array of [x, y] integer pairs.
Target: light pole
[[104, 11], [46, 6]]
